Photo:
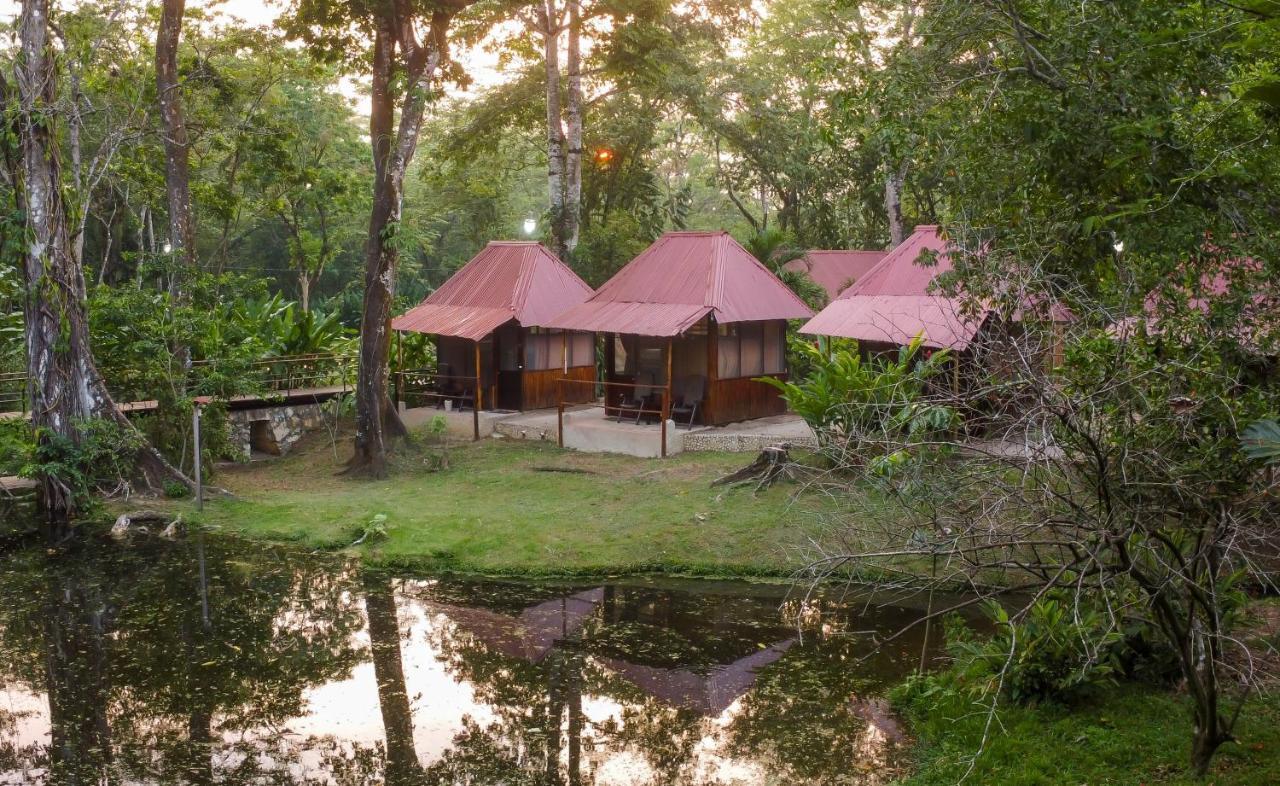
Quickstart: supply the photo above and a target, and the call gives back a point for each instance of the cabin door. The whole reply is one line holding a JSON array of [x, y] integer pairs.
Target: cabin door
[[510, 366]]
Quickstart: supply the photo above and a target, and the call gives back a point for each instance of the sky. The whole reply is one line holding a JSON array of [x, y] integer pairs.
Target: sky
[[481, 65]]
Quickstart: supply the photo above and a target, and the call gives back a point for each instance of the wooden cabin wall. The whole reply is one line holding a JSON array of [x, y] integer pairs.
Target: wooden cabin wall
[[731, 400], [542, 388]]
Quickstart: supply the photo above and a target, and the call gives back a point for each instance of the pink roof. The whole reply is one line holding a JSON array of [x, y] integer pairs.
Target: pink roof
[[894, 303], [1256, 327], [506, 280], [833, 270], [680, 279]]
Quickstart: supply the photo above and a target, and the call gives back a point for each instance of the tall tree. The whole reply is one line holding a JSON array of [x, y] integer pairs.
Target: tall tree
[[182, 231], [407, 65], [64, 387]]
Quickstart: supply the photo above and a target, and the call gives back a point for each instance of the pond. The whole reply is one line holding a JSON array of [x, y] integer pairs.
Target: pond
[[211, 660]]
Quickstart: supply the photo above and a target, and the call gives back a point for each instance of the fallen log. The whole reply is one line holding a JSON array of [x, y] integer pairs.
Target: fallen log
[[139, 519]]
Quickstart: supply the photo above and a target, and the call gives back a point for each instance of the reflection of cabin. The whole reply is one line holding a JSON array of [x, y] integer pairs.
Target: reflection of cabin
[[708, 692], [492, 314], [534, 631], [835, 271], [693, 319], [722, 656]]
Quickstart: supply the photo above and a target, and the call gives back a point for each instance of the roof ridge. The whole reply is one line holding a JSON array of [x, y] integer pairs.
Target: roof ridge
[[524, 280], [715, 276]]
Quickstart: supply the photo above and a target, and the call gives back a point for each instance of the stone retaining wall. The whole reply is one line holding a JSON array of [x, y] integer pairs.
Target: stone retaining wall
[[737, 442], [272, 430]]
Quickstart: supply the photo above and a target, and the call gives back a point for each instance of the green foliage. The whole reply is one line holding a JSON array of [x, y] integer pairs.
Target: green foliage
[[1057, 651], [437, 459], [851, 401], [774, 249], [16, 445], [101, 461], [175, 490], [1262, 441]]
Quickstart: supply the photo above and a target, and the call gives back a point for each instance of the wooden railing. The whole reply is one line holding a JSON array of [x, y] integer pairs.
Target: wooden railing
[[663, 410], [423, 385], [272, 377], [13, 393], [289, 374]]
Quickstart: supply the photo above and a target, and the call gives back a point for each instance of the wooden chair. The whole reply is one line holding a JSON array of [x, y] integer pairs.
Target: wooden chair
[[635, 402], [688, 399]]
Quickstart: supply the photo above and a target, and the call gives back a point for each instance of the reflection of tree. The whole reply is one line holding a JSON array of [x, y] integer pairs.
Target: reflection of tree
[[174, 648], [540, 733], [76, 680], [388, 668], [800, 720]]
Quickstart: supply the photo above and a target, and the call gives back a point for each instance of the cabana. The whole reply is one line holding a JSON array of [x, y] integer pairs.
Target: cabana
[[895, 302], [690, 323], [833, 270], [492, 315]]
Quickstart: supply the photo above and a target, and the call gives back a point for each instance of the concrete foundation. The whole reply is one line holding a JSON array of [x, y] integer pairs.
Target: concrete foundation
[[589, 431], [459, 423]]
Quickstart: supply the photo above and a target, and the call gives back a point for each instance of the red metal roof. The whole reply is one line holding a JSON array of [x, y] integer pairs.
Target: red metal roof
[[680, 279], [506, 280], [835, 270], [893, 302]]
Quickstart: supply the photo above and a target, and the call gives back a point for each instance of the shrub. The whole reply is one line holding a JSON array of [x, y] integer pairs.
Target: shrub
[[102, 461], [15, 445], [854, 403], [1055, 652]]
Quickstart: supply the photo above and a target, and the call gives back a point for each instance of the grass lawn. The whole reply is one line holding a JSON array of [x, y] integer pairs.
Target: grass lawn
[[1132, 734], [523, 508]]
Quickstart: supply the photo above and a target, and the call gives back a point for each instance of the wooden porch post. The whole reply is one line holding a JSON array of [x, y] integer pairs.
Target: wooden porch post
[[479, 402], [713, 369], [666, 398]]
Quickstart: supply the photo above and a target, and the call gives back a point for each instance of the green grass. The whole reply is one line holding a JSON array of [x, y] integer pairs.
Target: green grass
[[1131, 734], [498, 509]]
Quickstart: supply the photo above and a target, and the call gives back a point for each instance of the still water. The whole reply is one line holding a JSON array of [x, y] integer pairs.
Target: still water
[[215, 661]]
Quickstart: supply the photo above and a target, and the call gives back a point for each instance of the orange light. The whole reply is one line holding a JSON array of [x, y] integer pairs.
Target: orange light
[[604, 155]]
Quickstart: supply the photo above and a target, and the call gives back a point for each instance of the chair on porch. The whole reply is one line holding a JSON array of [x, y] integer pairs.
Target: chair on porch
[[634, 403], [688, 399]]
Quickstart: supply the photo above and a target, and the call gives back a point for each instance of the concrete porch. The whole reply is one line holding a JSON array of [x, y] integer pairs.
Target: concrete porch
[[587, 429]]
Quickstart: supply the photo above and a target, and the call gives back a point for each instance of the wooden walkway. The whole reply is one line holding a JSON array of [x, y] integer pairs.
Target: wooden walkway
[[12, 486], [298, 396]]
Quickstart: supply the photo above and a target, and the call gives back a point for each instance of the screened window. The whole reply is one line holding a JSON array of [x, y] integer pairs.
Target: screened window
[[582, 349], [751, 349], [775, 347], [622, 357], [728, 364]]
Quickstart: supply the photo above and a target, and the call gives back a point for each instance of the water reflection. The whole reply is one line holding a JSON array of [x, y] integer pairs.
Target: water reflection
[[212, 662]]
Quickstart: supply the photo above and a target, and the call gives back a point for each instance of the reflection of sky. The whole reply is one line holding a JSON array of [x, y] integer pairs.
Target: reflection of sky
[[434, 626], [348, 710]]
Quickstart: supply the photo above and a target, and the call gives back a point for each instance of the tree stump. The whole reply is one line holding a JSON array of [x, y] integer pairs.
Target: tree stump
[[773, 463]]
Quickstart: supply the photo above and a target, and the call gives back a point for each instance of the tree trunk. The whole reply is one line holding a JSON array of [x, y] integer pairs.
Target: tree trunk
[[555, 133], [177, 168], [573, 158], [64, 386], [388, 670], [893, 207], [1210, 730], [376, 418], [304, 291]]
